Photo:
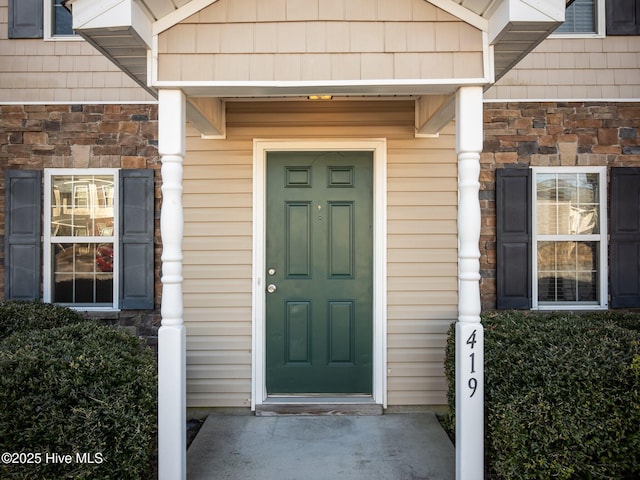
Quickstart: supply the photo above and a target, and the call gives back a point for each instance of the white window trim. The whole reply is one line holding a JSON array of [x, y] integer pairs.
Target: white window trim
[[48, 35], [46, 254], [601, 237], [601, 25]]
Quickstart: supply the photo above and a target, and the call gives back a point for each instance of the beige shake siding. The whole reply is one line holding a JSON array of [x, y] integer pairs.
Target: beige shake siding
[[421, 229], [72, 71], [255, 40], [565, 68]]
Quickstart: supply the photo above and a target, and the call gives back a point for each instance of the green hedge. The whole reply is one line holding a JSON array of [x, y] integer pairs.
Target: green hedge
[[79, 389], [562, 395], [27, 316]]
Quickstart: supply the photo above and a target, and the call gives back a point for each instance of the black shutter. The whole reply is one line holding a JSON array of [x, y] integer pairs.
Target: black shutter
[[22, 247], [25, 18], [513, 238], [623, 17], [136, 239], [624, 237]]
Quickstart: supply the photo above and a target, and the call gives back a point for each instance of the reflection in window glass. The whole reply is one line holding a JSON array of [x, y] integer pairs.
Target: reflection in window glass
[[82, 206], [567, 204], [82, 239], [580, 17], [83, 273], [568, 271], [62, 23]]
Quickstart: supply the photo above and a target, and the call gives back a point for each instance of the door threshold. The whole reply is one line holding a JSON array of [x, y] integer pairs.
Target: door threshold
[[318, 405]]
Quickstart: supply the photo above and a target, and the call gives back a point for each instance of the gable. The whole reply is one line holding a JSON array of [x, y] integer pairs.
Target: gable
[[251, 40]]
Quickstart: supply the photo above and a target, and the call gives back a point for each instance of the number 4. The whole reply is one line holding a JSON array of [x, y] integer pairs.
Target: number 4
[[472, 339]]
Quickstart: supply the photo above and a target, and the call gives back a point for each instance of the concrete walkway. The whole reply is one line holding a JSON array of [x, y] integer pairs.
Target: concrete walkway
[[396, 446]]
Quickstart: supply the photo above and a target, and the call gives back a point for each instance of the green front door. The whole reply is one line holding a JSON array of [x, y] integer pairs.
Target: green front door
[[319, 278]]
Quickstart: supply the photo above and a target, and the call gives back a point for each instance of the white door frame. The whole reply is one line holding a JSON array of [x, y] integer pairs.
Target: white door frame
[[379, 148]]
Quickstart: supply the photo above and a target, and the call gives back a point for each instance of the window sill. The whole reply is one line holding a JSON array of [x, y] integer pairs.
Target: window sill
[[565, 36], [94, 309], [64, 38], [573, 306]]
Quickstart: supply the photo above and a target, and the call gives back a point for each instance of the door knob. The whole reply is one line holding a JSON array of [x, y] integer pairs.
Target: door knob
[[271, 288]]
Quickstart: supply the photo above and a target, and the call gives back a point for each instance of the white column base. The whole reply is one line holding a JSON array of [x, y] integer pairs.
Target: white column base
[[172, 409], [469, 401]]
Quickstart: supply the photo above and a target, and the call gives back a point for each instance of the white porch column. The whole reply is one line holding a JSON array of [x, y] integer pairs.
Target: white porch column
[[469, 332], [172, 443]]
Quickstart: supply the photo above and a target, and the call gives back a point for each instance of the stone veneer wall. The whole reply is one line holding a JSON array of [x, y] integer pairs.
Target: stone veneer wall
[[125, 136], [548, 134], [36, 137]]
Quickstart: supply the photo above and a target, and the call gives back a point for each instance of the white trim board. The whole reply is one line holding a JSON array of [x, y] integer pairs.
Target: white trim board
[[379, 149], [561, 100]]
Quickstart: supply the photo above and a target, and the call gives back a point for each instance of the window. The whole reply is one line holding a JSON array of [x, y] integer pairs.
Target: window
[[48, 19], [61, 21], [583, 17], [81, 228], [95, 237], [552, 250], [58, 22], [569, 241]]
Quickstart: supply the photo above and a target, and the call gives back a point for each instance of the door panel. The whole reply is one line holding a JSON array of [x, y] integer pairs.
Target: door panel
[[298, 332], [341, 328], [298, 241], [319, 258], [341, 248]]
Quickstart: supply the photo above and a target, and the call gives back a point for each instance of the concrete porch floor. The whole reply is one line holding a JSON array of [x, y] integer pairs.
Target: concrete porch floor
[[394, 446]]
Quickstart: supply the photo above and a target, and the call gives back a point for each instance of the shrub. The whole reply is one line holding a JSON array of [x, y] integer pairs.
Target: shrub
[[562, 395], [26, 316], [79, 389]]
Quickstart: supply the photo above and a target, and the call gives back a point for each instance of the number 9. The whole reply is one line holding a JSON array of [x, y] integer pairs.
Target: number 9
[[473, 385]]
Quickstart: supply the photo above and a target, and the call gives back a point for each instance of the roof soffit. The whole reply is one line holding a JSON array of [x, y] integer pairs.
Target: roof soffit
[[120, 30], [517, 26]]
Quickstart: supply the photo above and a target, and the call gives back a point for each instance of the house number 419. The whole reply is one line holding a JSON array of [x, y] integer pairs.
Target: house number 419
[[473, 381]]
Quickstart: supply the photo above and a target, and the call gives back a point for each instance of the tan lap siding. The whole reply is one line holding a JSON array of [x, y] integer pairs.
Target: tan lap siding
[[422, 285], [217, 272], [422, 266]]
